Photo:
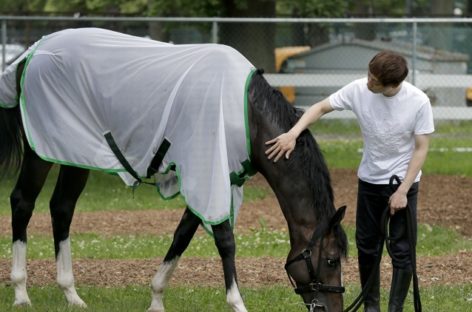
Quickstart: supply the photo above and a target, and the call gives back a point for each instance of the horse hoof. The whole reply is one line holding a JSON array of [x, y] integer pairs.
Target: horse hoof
[[152, 309], [78, 304], [22, 302]]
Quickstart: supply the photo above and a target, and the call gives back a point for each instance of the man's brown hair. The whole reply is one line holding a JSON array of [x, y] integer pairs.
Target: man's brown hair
[[389, 68]]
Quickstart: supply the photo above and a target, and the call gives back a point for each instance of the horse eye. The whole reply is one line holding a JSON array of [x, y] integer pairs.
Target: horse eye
[[332, 262]]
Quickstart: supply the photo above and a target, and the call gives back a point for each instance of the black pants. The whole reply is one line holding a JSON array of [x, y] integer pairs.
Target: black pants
[[372, 200]]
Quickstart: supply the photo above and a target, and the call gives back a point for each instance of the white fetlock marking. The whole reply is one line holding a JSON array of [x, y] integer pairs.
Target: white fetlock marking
[[18, 273], [65, 277], [234, 299], [159, 283]]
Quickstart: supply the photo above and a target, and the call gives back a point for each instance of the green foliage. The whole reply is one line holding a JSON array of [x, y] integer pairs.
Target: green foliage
[[312, 8], [388, 7], [184, 8], [303, 8], [21, 6]]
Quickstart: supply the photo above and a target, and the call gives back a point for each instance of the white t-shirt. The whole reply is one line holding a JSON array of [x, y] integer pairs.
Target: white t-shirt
[[388, 125]]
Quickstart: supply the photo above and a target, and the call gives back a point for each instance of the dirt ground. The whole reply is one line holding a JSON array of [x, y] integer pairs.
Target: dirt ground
[[443, 200]]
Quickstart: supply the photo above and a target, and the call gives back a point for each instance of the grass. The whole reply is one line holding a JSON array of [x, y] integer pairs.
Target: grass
[[432, 241], [183, 299]]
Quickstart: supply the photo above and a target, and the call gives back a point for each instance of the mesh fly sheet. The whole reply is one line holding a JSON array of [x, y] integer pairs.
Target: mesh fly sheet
[[79, 84]]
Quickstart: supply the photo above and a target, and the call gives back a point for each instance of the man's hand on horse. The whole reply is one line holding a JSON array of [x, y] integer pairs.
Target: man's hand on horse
[[397, 201], [282, 145]]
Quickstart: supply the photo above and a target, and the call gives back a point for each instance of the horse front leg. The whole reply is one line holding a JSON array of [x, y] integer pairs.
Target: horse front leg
[[70, 183], [182, 237], [22, 199], [224, 240]]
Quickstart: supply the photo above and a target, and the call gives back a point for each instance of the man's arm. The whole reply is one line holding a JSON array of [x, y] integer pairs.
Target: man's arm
[[284, 144], [398, 200]]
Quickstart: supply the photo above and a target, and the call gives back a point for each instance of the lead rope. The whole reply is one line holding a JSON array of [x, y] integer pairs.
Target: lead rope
[[411, 241], [356, 304]]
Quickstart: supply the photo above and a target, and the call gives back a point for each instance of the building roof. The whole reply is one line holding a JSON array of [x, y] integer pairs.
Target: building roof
[[406, 49]]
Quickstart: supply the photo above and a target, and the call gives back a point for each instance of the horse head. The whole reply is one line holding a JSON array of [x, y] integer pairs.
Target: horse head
[[315, 272]]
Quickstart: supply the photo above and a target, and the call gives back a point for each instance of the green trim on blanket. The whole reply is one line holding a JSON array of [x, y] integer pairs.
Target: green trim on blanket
[[246, 117], [205, 223], [247, 171], [8, 106], [238, 178], [177, 172], [24, 117]]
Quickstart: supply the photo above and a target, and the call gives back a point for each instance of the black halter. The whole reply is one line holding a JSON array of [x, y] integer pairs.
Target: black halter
[[315, 285]]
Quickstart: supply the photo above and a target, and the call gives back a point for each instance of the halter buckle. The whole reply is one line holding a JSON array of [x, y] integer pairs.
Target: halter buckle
[[314, 304], [306, 253]]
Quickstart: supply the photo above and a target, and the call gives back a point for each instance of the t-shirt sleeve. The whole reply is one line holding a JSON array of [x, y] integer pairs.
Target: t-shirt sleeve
[[342, 99], [424, 119]]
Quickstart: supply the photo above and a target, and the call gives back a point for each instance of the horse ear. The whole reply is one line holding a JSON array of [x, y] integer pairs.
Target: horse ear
[[338, 216]]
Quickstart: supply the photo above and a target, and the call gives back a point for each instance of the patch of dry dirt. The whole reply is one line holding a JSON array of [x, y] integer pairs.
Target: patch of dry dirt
[[443, 200], [252, 272]]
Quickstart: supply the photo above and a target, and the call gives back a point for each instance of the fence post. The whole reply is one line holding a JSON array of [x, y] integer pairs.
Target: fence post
[[214, 32], [413, 57], [4, 44]]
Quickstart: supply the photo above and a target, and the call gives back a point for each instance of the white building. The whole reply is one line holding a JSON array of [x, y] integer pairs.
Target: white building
[[441, 74]]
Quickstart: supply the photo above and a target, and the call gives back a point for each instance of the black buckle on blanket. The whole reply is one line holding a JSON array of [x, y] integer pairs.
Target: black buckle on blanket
[[241, 177], [155, 163]]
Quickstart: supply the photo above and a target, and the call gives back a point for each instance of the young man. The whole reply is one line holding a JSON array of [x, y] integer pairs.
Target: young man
[[396, 119]]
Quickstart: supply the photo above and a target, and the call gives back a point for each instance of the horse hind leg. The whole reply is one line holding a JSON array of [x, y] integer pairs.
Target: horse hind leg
[[22, 199], [182, 237], [69, 186], [224, 240]]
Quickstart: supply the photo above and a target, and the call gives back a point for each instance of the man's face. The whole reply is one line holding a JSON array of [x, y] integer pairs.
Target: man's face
[[373, 84]]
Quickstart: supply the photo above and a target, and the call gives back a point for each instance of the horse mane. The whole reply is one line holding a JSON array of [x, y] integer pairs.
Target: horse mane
[[307, 156]]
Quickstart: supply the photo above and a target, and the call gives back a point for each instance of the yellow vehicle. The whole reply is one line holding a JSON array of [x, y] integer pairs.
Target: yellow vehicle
[[468, 96], [281, 54]]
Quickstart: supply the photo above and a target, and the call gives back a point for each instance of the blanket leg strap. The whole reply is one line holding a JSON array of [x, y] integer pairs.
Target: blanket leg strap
[[157, 160], [121, 158]]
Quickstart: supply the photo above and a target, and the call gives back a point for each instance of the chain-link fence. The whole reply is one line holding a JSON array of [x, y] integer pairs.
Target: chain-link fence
[[307, 58]]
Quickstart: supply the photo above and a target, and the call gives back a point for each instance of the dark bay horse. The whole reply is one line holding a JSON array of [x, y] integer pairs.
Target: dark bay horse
[[302, 186]]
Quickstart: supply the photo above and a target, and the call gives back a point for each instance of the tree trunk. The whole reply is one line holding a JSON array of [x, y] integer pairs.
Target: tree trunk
[[440, 35], [365, 31], [442, 8], [256, 41]]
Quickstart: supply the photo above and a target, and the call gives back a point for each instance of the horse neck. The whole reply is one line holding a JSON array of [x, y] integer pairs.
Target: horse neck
[[295, 195]]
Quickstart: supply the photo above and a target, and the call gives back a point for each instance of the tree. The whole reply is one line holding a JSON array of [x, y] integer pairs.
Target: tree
[[311, 34], [260, 50]]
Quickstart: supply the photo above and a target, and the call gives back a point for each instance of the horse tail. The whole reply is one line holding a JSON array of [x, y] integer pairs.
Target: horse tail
[[11, 140]]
